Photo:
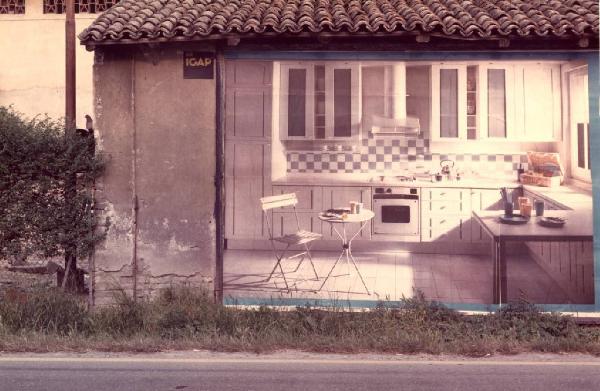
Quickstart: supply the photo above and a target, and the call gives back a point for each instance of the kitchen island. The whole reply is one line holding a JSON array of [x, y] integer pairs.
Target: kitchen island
[[578, 228]]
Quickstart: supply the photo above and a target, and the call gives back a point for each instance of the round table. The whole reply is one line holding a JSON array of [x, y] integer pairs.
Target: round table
[[361, 218]]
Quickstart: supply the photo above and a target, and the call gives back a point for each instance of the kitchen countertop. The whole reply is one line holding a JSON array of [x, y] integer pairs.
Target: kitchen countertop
[[321, 179], [567, 196]]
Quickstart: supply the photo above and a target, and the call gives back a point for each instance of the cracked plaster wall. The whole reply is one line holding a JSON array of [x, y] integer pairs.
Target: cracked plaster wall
[[174, 123]]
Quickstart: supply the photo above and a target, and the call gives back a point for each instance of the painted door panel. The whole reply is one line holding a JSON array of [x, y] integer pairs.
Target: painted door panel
[[247, 147], [246, 114]]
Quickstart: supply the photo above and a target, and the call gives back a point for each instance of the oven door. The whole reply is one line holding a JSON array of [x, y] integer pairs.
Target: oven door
[[398, 216]]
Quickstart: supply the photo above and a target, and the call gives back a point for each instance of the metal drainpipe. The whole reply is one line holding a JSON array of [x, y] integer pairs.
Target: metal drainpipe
[[220, 166], [134, 204]]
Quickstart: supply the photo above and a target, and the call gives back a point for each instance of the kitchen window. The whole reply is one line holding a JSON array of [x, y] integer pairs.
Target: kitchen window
[[319, 101], [579, 125]]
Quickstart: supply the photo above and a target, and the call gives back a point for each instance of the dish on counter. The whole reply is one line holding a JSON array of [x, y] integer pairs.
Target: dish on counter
[[514, 219], [552, 222]]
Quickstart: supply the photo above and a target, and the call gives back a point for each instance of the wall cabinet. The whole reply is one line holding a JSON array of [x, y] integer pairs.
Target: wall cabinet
[[319, 100], [514, 101], [538, 102]]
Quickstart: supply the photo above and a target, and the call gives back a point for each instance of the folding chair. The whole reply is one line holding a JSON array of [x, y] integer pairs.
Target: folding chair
[[300, 238]]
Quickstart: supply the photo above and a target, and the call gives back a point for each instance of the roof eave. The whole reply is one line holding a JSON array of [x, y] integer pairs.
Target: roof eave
[[583, 40]]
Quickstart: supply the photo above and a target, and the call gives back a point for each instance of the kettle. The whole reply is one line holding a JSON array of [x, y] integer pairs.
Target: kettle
[[447, 166]]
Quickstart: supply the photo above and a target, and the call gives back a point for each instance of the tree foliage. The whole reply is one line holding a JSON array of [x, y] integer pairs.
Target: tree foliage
[[37, 164]]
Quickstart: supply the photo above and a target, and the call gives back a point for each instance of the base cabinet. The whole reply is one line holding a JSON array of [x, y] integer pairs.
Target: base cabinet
[[308, 206], [445, 215], [285, 223], [338, 197], [309, 197], [483, 199], [446, 228], [570, 264]]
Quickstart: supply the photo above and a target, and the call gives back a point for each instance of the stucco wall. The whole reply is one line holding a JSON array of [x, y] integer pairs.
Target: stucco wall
[[158, 133], [32, 63]]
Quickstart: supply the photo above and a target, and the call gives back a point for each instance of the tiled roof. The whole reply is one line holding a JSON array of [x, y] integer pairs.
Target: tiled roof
[[166, 19]]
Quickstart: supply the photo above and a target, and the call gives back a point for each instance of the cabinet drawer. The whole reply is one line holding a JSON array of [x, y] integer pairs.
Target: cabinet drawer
[[446, 229], [439, 208], [309, 197], [444, 194]]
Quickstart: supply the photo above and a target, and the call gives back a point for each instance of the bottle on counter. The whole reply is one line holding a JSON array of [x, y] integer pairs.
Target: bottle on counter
[[520, 171]]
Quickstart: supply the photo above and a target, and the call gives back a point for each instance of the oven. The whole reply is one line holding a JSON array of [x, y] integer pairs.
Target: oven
[[396, 211]]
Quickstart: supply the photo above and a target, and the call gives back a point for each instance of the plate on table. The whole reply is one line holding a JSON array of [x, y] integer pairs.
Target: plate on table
[[514, 219], [335, 213], [552, 222]]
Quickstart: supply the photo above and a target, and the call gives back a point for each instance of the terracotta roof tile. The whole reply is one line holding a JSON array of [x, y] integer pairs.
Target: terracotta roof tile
[[165, 19]]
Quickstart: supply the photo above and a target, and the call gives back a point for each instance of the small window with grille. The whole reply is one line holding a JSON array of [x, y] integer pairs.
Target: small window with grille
[[81, 6], [12, 6]]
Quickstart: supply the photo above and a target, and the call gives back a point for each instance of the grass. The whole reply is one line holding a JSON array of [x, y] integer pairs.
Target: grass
[[185, 318]]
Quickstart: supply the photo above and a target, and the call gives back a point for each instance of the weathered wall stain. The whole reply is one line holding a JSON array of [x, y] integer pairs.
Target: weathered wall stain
[[158, 133]]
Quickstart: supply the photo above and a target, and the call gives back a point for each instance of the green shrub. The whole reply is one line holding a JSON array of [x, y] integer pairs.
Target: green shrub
[[38, 166]]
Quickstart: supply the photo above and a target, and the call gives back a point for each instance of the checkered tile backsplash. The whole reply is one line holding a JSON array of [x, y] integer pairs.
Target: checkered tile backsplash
[[383, 156]]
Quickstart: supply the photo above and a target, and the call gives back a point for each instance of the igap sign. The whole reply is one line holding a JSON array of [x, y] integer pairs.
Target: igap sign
[[198, 65]]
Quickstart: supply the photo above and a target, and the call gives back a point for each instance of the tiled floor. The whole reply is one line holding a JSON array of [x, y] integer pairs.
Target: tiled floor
[[389, 276]]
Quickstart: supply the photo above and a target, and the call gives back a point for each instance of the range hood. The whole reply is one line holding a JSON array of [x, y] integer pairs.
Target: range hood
[[382, 126]]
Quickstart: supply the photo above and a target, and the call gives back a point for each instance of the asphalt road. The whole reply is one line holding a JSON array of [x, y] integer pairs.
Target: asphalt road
[[249, 374]]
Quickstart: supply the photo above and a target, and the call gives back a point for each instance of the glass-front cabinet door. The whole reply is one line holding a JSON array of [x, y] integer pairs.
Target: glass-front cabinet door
[[296, 121], [449, 101], [319, 101]]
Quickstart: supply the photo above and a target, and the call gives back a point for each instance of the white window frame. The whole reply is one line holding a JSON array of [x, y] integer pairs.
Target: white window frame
[[583, 174], [330, 67], [436, 96]]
